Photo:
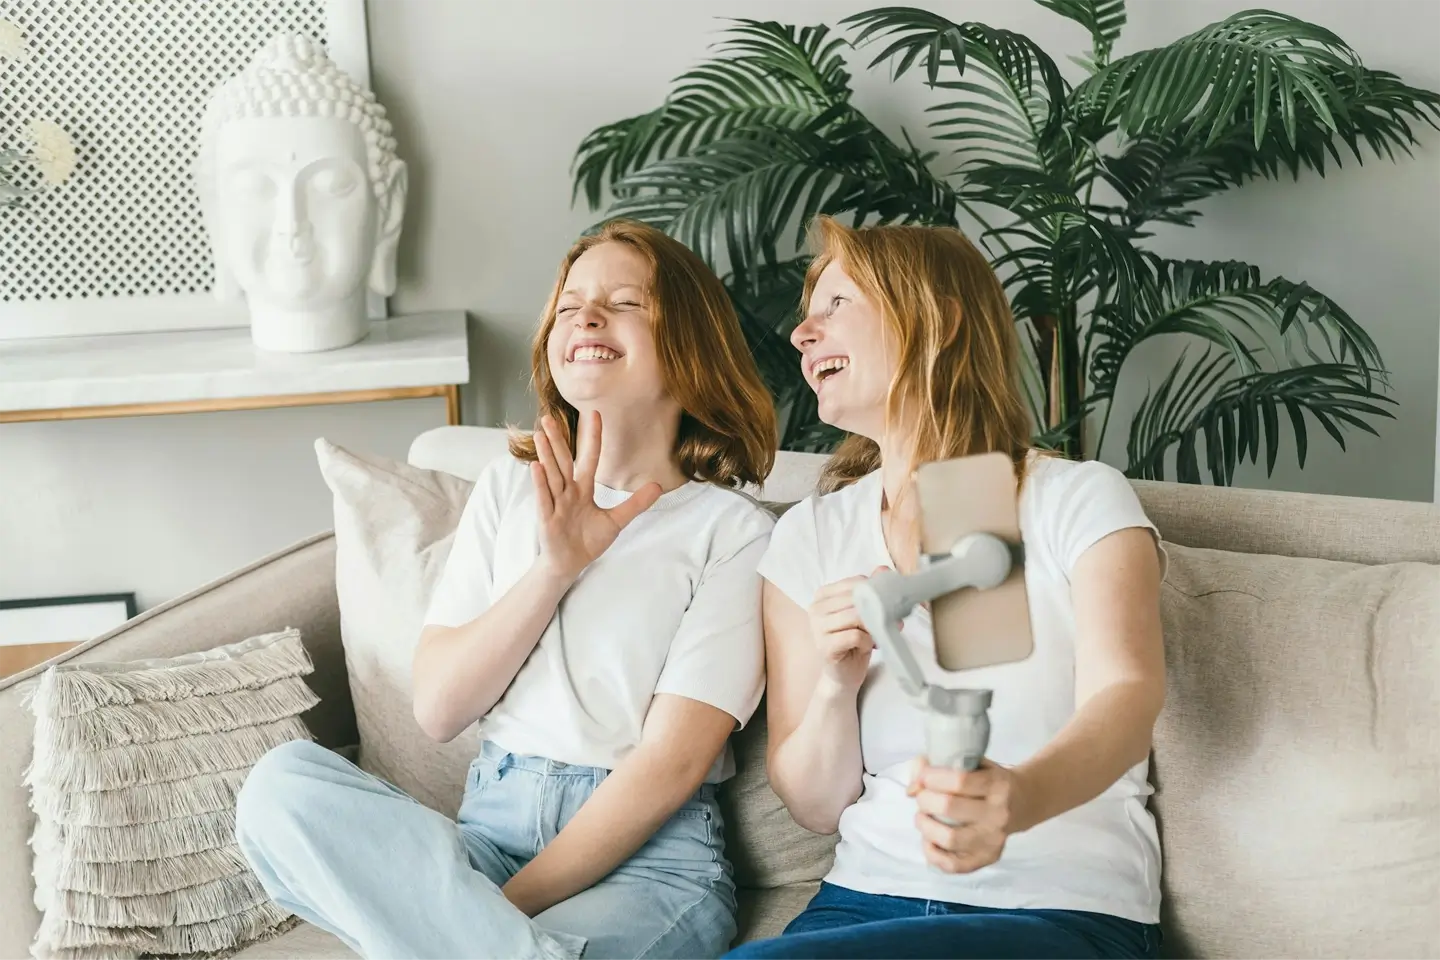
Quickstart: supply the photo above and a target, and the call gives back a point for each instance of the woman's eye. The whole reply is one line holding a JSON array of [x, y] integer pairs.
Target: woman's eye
[[565, 310], [835, 301], [626, 303]]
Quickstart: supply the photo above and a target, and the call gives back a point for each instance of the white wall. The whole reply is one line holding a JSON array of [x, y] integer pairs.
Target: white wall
[[489, 100]]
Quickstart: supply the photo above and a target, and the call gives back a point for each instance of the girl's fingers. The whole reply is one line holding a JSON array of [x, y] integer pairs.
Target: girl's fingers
[[544, 505], [546, 456], [588, 447], [559, 448]]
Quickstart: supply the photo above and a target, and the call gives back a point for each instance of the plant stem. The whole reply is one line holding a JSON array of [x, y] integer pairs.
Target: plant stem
[[1104, 426]]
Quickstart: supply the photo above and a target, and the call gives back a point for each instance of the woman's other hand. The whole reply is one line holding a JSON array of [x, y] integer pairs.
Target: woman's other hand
[[574, 530], [965, 816], [844, 644]]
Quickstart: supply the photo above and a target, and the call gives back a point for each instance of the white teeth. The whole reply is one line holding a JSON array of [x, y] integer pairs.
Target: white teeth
[[595, 353], [830, 365]]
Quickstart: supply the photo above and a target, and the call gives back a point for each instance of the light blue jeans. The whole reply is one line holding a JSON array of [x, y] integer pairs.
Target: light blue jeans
[[353, 854]]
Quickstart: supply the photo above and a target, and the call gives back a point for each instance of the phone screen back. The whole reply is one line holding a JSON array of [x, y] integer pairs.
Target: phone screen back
[[977, 494]]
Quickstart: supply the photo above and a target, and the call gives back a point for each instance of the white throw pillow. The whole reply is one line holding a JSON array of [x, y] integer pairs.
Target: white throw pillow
[[394, 524]]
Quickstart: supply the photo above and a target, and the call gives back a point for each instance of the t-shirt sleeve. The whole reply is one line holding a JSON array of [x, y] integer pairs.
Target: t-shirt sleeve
[[792, 559], [463, 591], [718, 654], [1091, 501]]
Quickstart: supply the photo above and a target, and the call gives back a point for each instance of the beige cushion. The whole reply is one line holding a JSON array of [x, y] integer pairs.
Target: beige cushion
[[766, 913], [1297, 759], [305, 942], [766, 845], [135, 771], [394, 524]]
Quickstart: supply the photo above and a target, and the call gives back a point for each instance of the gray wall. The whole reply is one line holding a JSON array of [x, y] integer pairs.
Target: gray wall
[[490, 99]]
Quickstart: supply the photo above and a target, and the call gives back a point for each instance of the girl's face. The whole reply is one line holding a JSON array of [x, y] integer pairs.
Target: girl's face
[[844, 354], [601, 347]]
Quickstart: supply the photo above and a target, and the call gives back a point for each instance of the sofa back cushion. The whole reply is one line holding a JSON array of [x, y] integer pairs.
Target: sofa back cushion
[[1297, 760], [394, 524]]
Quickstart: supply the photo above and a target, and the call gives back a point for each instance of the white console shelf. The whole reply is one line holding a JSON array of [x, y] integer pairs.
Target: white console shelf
[[123, 375]]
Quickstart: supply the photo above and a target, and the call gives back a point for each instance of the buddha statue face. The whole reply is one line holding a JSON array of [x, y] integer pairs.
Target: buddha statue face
[[303, 197]]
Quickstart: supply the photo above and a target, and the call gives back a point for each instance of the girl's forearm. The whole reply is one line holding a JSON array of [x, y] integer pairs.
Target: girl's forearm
[[626, 809], [460, 673]]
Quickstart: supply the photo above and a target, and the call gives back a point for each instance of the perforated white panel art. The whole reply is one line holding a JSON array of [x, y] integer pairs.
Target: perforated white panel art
[[121, 246]]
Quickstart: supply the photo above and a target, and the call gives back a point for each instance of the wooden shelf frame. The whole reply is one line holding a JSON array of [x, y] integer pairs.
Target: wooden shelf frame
[[451, 393]]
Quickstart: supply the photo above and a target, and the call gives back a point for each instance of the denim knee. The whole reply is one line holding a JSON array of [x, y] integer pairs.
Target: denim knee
[[278, 788]]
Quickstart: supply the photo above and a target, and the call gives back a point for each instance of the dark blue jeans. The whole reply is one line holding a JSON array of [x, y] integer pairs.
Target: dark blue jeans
[[842, 923]]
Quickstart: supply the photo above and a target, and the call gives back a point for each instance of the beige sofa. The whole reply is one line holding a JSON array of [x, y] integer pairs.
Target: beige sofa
[[1297, 764]]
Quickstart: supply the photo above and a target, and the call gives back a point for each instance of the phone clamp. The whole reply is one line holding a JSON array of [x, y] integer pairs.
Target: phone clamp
[[957, 722]]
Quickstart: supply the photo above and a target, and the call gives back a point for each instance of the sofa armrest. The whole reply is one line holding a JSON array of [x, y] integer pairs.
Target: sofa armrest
[[292, 588]]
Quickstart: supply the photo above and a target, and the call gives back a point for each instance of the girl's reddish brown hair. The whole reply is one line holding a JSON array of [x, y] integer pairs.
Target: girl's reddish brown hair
[[956, 389], [728, 433]]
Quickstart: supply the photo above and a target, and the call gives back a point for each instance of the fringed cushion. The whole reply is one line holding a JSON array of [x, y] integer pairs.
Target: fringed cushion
[[133, 785]]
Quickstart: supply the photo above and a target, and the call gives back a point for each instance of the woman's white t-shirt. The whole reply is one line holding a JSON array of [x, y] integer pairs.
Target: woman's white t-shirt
[[673, 606], [1103, 856]]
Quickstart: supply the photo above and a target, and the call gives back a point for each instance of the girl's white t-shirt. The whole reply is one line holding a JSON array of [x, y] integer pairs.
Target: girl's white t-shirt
[[1103, 856], [672, 606]]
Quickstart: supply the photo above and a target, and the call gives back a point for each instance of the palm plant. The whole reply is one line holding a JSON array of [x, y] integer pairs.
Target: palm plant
[[1065, 181]]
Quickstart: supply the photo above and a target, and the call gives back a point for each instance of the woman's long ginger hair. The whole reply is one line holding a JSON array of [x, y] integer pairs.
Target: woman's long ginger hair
[[956, 389], [728, 433]]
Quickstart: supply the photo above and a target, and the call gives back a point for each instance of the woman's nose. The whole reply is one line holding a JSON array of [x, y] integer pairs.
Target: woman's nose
[[805, 333]]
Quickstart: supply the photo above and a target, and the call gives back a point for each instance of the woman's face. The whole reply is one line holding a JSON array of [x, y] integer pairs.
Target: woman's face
[[601, 347], [844, 354]]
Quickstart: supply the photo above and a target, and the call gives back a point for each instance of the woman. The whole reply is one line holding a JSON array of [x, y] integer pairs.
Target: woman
[[599, 616], [909, 345]]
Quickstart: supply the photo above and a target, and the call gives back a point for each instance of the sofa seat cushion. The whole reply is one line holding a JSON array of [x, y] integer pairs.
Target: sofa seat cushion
[[304, 942], [1297, 760]]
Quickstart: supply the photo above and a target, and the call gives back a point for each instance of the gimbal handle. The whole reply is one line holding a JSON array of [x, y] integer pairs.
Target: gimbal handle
[[957, 722]]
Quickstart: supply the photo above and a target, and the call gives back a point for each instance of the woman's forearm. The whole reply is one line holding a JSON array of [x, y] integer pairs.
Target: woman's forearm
[[461, 672], [817, 770], [1109, 734]]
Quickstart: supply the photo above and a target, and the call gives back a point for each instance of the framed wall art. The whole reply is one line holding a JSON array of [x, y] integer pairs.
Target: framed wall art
[[120, 247], [32, 631]]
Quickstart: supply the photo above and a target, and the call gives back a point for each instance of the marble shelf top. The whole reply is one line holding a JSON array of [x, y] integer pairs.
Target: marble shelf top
[[427, 349]]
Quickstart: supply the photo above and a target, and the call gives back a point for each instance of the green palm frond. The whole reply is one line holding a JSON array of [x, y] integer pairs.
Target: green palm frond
[[1103, 18], [1237, 416], [1260, 60], [766, 75], [767, 304], [1058, 250], [1160, 178], [1257, 324], [1020, 81], [745, 194]]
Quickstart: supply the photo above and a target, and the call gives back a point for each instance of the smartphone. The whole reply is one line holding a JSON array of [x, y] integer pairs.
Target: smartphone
[[975, 494]]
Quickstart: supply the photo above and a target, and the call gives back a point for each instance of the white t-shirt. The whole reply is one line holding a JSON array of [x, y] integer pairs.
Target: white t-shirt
[[673, 606], [1103, 856]]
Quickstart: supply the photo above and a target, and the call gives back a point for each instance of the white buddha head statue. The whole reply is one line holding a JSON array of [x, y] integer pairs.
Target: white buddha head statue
[[302, 196]]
